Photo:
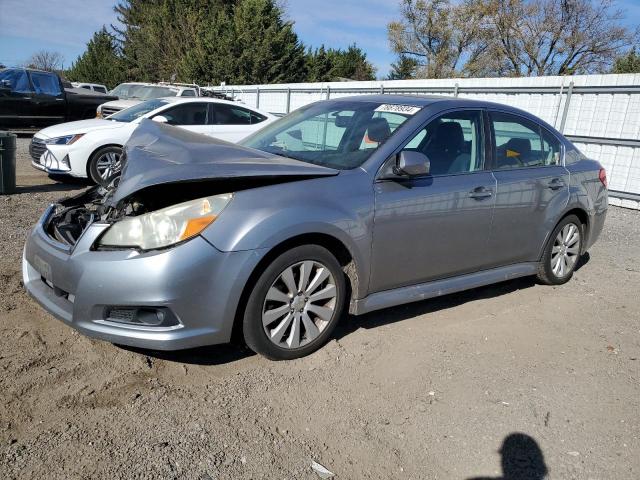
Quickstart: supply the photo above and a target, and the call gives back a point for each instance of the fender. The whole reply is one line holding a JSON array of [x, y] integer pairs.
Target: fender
[[264, 217]]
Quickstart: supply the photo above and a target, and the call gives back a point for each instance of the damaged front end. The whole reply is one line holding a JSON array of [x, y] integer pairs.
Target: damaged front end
[[174, 183]]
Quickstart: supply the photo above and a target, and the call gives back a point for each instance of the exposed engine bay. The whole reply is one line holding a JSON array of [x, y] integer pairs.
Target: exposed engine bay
[[165, 166]]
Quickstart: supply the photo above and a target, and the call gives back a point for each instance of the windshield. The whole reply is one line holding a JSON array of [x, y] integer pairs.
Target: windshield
[[336, 134], [125, 91], [137, 111], [156, 92]]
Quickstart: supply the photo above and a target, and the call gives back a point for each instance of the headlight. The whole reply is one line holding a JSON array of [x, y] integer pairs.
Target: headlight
[[66, 140], [167, 226]]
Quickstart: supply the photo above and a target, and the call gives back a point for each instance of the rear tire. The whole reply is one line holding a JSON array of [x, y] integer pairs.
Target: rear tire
[[562, 252], [295, 304], [104, 165]]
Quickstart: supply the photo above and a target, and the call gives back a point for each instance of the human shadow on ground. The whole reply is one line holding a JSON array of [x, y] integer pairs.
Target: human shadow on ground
[[522, 459]]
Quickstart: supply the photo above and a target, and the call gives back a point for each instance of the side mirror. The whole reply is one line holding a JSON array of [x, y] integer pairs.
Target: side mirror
[[160, 119], [5, 85], [412, 164]]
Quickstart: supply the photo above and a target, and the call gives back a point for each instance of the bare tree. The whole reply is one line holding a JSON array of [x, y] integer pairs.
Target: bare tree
[[510, 37], [45, 60]]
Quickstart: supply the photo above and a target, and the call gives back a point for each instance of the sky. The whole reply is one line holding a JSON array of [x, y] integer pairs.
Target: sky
[[65, 26]]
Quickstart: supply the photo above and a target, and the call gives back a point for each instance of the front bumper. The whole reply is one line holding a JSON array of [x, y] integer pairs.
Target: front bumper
[[198, 283], [53, 159]]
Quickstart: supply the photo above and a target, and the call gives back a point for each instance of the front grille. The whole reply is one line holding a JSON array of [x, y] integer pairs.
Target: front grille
[[37, 148], [106, 111]]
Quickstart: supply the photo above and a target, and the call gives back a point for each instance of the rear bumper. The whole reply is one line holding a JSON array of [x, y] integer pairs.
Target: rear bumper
[[199, 284]]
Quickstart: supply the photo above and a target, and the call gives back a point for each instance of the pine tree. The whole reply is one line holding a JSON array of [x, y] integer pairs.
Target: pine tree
[[351, 64], [629, 63], [318, 65], [404, 69], [100, 63]]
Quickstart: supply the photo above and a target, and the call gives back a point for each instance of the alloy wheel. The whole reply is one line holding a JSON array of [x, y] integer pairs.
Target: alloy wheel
[[299, 304], [108, 164], [566, 250]]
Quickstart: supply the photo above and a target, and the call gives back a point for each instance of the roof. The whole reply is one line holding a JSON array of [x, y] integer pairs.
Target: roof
[[426, 100]]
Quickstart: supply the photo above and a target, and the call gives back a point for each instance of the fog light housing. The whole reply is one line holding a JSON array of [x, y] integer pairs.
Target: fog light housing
[[141, 316]]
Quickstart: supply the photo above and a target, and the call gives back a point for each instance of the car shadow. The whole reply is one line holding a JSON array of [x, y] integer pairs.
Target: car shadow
[[205, 356], [403, 312], [521, 459], [52, 187]]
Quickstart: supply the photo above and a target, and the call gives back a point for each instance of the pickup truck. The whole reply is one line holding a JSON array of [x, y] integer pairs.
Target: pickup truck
[[33, 99], [133, 93]]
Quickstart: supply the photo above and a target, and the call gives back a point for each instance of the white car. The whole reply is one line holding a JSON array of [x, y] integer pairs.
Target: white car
[[92, 148], [94, 87], [130, 94]]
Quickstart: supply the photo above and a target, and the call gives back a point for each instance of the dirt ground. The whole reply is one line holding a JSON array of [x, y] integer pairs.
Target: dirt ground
[[427, 391]]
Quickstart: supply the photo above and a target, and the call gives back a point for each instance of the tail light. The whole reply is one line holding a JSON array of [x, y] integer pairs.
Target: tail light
[[602, 176]]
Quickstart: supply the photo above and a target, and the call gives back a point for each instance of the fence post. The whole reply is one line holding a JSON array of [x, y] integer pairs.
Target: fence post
[[328, 92], [455, 90], [288, 99], [566, 107], [257, 97], [555, 118], [381, 89]]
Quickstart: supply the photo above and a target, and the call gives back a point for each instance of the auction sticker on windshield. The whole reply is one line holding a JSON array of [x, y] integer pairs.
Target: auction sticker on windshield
[[391, 108]]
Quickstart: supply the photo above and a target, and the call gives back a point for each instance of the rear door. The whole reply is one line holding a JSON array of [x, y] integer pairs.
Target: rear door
[[47, 105], [436, 226], [232, 122], [532, 187]]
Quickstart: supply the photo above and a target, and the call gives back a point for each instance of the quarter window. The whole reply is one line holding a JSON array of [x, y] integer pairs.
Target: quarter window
[[521, 143], [186, 114], [453, 143], [45, 84]]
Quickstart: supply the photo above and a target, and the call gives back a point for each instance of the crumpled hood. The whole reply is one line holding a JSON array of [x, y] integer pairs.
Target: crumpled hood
[[159, 154]]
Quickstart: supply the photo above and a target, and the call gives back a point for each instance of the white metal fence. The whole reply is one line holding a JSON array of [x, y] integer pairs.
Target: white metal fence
[[599, 113]]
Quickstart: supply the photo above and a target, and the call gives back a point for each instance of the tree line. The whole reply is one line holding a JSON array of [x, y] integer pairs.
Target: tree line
[[252, 42], [209, 42], [496, 38]]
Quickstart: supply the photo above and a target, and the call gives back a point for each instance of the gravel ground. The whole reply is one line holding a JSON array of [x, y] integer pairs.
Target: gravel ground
[[430, 390]]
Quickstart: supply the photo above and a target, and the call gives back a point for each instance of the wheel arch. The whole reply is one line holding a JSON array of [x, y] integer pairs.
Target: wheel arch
[[334, 245], [582, 215], [96, 150]]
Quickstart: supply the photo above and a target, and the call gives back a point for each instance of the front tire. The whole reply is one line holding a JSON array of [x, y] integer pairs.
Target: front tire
[[104, 165], [295, 304], [562, 252]]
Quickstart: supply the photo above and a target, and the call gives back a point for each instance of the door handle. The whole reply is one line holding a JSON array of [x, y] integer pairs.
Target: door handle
[[480, 193], [555, 184]]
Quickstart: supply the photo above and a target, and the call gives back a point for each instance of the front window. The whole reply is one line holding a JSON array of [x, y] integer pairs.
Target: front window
[[15, 80], [137, 111], [186, 114], [453, 143], [338, 134]]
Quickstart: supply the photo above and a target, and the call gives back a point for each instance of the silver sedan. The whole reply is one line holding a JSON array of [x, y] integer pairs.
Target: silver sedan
[[354, 204]]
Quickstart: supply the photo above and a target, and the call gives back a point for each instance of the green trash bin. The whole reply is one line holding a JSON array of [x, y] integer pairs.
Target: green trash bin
[[7, 163]]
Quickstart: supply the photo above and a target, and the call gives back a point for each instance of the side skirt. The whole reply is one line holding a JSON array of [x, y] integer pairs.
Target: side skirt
[[436, 288]]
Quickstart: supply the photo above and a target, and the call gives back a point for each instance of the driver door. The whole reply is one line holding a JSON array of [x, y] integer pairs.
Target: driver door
[[437, 225]]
